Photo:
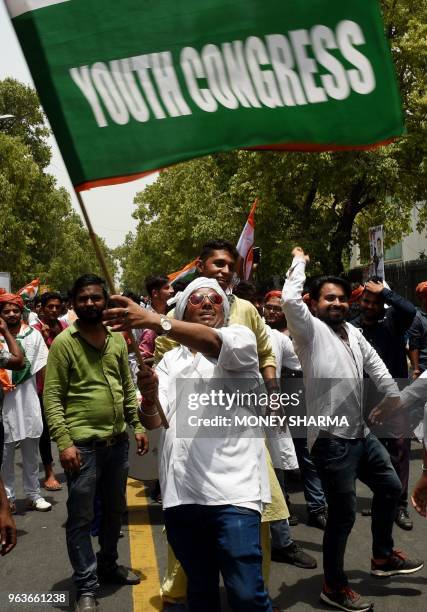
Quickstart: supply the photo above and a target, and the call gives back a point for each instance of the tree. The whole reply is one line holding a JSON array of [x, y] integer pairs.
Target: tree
[[40, 234], [322, 201]]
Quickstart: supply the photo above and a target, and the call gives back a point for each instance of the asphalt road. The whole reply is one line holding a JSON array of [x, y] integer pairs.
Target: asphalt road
[[40, 563]]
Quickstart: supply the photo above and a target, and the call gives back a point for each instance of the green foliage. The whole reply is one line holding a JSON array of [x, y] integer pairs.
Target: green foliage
[[325, 202], [40, 234]]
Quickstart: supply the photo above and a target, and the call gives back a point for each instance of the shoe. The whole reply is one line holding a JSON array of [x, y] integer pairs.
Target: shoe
[[39, 504], [119, 574], [293, 520], [346, 599], [318, 519], [294, 555], [402, 519], [12, 506], [86, 603], [397, 563]]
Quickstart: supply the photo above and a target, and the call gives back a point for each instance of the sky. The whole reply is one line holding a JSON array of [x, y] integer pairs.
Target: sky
[[109, 208]]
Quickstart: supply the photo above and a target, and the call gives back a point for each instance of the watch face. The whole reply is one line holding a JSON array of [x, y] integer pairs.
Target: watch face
[[166, 324]]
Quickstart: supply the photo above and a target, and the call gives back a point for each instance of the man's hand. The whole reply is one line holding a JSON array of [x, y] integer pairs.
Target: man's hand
[[374, 286], [3, 326], [385, 410], [142, 443], [148, 383], [419, 495], [70, 459], [7, 531], [127, 316], [415, 374], [299, 252]]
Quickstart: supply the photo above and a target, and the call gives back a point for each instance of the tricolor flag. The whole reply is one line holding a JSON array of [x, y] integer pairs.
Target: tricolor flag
[[29, 292], [130, 87], [187, 273], [245, 245]]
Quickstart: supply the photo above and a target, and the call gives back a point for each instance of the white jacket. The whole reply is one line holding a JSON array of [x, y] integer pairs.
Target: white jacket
[[333, 377]]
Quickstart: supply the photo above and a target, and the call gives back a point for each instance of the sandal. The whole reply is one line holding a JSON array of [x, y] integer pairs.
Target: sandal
[[12, 506]]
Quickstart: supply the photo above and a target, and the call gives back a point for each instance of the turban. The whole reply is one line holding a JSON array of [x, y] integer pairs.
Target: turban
[[421, 289], [199, 283], [273, 294], [356, 293], [11, 298]]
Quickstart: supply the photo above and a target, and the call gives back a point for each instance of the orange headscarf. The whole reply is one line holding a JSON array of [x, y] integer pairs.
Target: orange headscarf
[[356, 293], [12, 298], [275, 293], [421, 289]]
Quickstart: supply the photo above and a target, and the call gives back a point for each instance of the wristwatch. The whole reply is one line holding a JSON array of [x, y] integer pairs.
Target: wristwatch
[[165, 324]]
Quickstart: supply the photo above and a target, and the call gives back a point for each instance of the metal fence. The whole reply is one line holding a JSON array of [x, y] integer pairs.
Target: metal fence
[[403, 277]]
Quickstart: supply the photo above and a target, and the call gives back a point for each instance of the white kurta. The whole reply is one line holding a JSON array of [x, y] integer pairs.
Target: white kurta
[[211, 471], [21, 409]]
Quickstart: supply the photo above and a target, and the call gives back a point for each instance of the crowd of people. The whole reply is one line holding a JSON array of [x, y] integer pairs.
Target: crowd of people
[[69, 374]]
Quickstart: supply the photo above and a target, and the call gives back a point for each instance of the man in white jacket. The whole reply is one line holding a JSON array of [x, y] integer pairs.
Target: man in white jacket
[[334, 356]]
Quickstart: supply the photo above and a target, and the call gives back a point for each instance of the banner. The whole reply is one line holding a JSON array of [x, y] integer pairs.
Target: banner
[[376, 249], [134, 86], [245, 245]]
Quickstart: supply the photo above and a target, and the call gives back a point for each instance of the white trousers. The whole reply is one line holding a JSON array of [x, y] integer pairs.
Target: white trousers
[[30, 468]]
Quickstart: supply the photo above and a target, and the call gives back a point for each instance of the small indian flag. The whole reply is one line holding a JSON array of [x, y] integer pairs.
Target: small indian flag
[[245, 245], [187, 273], [30, 291]]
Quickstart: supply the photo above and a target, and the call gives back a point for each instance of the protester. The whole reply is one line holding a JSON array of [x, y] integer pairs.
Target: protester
[[313, 492], [160, 291], [11, 358], [50, 326], [385, 329], [21, 410], [89, 397], [213, 488], [218, 260], [418, 334], [333, 356]]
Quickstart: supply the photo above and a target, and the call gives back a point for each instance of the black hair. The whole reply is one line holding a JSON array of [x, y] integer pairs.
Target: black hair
[[217, 245], [246, 290], [50, 295], [84, 281], [155, 283], [132, 296], [317, 284]]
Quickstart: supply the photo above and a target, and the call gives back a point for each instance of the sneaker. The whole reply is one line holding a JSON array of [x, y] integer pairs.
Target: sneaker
[[318, 519], [346, 599], [402, 519], [397, 563], [39, 504], [294, 555]]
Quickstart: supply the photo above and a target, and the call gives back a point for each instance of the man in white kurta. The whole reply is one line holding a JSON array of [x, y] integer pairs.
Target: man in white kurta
[[21, 412]]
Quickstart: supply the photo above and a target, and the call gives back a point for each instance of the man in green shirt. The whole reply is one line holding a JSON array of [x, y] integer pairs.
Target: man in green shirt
[[89, 397]]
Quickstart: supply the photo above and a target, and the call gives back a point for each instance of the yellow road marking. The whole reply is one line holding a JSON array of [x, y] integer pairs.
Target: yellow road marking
[[145, 595]]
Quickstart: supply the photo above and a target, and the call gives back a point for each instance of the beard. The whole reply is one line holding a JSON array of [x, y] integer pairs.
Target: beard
[[91, 316], [335, 322]]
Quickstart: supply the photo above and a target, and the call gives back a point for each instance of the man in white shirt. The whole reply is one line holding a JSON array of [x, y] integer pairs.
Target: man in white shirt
[[213, 488], [333, 356]]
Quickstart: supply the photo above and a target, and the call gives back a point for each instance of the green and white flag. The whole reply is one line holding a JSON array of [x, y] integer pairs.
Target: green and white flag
[[131, 86]]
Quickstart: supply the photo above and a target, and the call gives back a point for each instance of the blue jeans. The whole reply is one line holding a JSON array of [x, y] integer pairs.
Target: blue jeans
[[104, 471], [208, 540], [339, 463], [313, 491]]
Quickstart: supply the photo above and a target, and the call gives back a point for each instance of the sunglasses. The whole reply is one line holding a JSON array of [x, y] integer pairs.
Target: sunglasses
[[197, 299]]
